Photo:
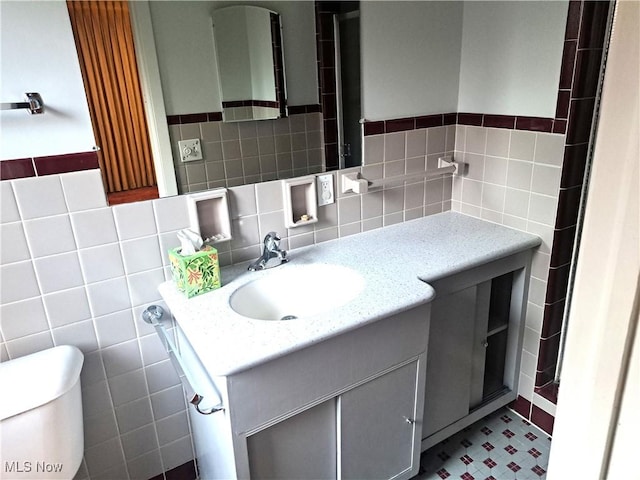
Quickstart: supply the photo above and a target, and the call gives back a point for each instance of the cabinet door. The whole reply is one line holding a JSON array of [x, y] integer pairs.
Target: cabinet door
[[377, 428], [302, 446], [450, 359]]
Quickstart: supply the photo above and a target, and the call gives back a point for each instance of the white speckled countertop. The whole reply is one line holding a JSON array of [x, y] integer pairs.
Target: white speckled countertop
[[394, 261]]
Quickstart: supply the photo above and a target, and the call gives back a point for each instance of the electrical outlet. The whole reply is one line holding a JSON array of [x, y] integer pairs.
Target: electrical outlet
[[190, 150], [324, 184]]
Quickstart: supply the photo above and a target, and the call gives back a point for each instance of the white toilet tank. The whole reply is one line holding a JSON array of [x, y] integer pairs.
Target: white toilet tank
[[41, 431]]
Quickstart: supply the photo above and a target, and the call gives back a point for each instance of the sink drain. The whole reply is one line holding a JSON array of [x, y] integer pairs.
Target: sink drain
[[289, 317]]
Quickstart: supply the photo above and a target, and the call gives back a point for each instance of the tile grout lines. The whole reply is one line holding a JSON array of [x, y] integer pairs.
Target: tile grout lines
[[502, 446]]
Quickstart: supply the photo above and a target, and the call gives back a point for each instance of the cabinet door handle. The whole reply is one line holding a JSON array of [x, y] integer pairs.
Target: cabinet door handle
[[410, 421], [485, 344]]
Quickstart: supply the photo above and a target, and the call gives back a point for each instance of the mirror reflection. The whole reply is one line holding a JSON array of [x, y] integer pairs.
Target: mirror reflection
[[319, 110], [248, 45]]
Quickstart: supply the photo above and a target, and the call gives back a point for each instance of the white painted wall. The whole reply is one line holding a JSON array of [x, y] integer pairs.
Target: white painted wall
[[418, 58], [185, 48], [511, 57], [410, 58], [186, 56], [65, 127]]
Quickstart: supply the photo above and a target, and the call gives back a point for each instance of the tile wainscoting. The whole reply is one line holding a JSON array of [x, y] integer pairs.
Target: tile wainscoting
[[247, 152], [513, 179], [87, 285]]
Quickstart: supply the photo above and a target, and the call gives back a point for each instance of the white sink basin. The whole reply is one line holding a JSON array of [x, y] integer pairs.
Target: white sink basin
[[296, 291]]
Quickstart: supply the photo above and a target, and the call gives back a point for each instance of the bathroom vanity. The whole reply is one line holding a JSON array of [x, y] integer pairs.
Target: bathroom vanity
[[428, 342]]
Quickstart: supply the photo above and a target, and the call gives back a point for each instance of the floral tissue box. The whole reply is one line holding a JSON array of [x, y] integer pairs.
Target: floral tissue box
[[197, 273]]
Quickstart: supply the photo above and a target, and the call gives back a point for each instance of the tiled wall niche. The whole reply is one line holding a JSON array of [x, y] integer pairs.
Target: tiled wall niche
[[87, 285], [241, 153]]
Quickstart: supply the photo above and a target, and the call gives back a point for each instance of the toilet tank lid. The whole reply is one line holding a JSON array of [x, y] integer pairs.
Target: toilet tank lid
[[33, 380]]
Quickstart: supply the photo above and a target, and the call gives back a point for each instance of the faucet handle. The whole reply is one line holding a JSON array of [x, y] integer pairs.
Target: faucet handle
[[273, 235], [271, 240]]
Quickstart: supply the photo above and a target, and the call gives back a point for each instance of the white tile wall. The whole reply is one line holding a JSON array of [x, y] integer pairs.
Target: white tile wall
[[90, 285], [58, 272], [87, 271], [513, 180], [8, 206], [13, 291], [94, 227], [83, 190], [67, 306], [13, 237], [39, 197], [60, 239], [401, 153]]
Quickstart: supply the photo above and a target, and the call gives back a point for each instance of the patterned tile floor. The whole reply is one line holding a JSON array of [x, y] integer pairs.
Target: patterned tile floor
[[501, 446]]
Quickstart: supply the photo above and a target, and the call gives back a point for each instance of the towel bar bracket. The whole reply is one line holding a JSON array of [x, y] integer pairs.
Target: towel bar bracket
[[33, 103], [152, 315]]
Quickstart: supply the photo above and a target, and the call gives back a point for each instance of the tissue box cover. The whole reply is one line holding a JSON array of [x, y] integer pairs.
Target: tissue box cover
[[197, 273]]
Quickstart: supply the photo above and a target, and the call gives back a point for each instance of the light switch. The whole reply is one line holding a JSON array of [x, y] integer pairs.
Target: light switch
[[190, 150]]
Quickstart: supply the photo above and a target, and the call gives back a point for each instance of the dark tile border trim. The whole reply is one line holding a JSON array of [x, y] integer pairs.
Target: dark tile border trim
[[511, 122], [542, 419], [533, 414], [549, 391], [584, 49], [186, 471], [217, 116], [251, 103], [521, 406], [194, 118], [50, 165], [74, 162], [409, 123], [278, 67], [326, 69], [300, 109], [18, 168]]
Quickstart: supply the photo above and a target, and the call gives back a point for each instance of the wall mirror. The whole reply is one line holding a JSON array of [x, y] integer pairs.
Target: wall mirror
[[258, 116], [248, 48], [409, 59]]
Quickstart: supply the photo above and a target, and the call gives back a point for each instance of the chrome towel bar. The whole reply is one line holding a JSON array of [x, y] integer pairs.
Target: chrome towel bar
[[33, 103], [152, 315]]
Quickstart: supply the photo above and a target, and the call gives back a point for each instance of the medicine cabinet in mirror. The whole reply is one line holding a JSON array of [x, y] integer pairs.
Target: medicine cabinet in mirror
[[248, 49], [263, 110]]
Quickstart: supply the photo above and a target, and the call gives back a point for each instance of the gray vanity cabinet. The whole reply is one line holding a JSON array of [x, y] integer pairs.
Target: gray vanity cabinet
[[475, 339], [366, 432], [349, 407], [449, 359], [302, 446], [377, 426]]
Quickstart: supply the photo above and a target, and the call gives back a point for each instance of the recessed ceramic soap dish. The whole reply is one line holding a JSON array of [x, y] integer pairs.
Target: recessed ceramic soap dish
[[300, 201], [209, 215]]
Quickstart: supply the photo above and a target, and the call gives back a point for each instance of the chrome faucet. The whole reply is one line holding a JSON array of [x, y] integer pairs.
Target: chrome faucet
[[271, 256]]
